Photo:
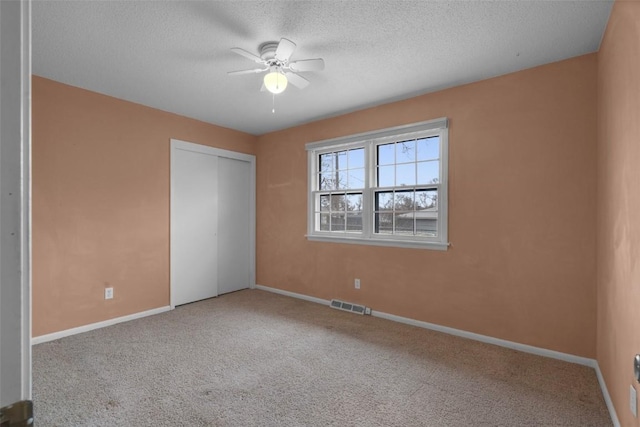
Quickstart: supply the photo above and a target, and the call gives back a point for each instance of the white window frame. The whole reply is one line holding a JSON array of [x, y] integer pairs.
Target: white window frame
[[369, 141]]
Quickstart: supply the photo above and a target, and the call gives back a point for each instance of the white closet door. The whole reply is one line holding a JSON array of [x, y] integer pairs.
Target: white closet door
[[194, 222], [212, 222], [234, 226]]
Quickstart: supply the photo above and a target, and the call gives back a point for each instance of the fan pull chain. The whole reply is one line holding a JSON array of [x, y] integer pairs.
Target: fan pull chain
[[273, 105]]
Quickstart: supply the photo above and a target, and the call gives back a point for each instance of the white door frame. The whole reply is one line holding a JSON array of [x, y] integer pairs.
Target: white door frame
[[15, 201], [189, 146]]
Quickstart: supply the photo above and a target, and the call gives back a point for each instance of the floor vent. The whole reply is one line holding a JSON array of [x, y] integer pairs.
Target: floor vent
[[347, 306]]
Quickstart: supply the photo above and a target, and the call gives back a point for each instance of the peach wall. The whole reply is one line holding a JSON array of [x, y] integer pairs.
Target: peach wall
[[521, 218], [101, 203], [618, 230]]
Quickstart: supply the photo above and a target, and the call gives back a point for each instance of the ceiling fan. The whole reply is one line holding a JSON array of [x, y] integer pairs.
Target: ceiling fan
[[274, 58]]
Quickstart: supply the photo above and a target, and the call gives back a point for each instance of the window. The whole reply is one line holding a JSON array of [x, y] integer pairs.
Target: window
[[387, 187]]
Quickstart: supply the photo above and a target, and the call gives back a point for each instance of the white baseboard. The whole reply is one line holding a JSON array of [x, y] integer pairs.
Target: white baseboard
[[98, 325], [607, 397], [592, 363], [490, 340], [293, 294]]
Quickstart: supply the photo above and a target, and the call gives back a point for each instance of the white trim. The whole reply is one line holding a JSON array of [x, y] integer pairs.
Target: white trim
[[15, 137], [571, 358], [294, 295], [607, 397], [435, 246], [213, 151], [488, 339], [443, 189], [441, 123], [98, 325], [176, 144], [26, 201]]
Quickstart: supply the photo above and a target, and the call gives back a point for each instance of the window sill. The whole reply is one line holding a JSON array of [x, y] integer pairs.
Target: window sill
[[436, 246]]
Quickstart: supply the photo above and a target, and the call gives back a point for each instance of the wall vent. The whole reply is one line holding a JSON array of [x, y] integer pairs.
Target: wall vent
[[347, 306]]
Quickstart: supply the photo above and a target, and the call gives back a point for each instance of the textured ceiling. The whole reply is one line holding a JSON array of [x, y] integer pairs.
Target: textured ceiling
[[175, 55]]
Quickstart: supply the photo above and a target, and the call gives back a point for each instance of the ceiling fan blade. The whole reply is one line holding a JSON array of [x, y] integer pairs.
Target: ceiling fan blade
[[285, 49], [248, 55], [241, 72], [296, 80], [307, 65]]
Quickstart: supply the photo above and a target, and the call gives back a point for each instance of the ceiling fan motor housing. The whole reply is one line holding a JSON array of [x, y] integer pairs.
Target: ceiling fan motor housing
[[268, 51]]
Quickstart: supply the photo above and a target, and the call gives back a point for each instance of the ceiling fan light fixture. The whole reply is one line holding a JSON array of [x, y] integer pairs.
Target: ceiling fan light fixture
[[275, 81]]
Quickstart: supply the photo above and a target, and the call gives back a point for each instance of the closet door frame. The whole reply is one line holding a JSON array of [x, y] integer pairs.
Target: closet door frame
[[198, 148]]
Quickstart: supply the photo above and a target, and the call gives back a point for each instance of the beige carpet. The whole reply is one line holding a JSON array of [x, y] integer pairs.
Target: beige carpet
[[253, 358]]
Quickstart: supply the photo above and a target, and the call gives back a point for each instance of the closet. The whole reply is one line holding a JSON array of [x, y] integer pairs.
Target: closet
[[212, 222]]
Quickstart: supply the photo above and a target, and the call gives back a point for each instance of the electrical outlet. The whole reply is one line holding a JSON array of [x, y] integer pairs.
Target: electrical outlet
[[108, 293], [633, 401], [356, 283], [367, 311]]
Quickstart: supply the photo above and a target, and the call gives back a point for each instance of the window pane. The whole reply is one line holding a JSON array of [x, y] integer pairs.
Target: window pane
[[404, 223], [356, 158], [356, 178], [342, 170], [343, 177], [337, 222], [384, 223], [385, 154], [384, 201], [327, 181], [426, 199], [354, 221], [406, 174], [429, 172], [341, 160], [403, 201], [429, 148], [427, 224], [325, 202], [386, 176], [324, 222], [337, 202], [354, 202], [326, 162], [405, 151]]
